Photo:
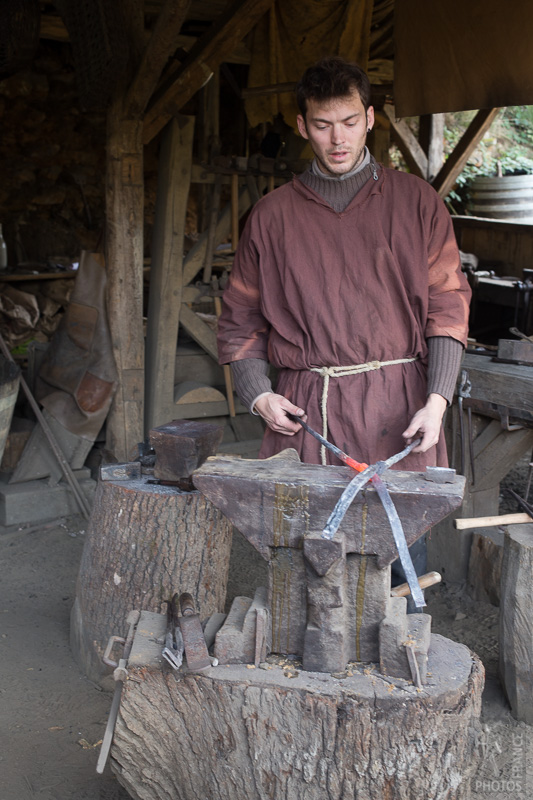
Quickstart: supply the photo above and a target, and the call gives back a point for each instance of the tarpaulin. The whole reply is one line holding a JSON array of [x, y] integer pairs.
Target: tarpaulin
[[456, 56], [292, 36]]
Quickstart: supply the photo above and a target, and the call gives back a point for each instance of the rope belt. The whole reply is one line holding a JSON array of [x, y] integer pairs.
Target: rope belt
[[340, 372]]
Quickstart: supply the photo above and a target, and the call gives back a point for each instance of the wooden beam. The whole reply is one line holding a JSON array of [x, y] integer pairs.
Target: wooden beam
[[196, 256], [210, 50], [54, 29], [161, 46], [447, 176], [407, 142], [199, 331], [174, 175], [431, 138]]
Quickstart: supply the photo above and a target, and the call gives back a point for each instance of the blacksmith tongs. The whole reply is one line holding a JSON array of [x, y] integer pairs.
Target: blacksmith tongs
[[365, 474]]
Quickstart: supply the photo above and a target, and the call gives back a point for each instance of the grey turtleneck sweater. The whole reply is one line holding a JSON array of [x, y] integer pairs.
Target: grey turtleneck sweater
[[444, 354]]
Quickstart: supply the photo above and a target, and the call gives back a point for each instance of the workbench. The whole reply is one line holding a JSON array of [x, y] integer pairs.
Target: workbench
[[501, 408]]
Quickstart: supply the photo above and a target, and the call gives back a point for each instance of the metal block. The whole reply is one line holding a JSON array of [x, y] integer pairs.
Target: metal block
[[519, 351], [440, 474]]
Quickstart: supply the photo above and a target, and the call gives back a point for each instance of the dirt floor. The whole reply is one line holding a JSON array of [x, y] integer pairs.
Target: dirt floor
[[53, 718]]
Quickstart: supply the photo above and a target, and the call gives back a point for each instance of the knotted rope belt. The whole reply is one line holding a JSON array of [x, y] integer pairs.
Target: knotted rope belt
[[340, 372]]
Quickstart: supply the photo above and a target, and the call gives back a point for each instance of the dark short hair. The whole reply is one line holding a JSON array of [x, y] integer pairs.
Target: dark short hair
[[329, 78]]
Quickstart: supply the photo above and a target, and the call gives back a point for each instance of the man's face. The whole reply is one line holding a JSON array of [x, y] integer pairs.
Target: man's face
[[336, 130]]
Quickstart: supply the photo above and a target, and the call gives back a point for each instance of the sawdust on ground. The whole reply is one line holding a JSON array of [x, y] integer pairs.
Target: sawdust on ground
[[53, 718]]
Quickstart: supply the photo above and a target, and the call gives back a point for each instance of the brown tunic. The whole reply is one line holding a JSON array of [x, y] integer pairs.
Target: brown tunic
[[312, 287]]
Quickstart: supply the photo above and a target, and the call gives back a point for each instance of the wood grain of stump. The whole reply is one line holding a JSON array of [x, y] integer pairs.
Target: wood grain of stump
[[234, 733], [144, 543]]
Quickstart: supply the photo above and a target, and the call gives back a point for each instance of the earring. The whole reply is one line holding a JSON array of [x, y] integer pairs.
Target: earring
[[368, 130]]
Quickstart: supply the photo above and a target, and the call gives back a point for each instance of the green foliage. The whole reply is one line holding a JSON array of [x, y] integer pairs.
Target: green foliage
[[506, 149]]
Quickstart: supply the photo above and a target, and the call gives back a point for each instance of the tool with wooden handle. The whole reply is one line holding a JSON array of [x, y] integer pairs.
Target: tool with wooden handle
[[424, 581], [491, 522]]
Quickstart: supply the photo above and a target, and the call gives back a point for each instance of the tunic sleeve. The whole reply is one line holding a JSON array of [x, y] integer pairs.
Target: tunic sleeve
[[242, 328], [449, 292]]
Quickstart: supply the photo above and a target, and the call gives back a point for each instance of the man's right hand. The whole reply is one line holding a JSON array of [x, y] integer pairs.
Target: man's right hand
[[274, 409]]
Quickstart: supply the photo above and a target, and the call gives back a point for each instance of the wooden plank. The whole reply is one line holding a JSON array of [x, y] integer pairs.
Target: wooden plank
[[445, 180], [124, 264], [210, 50], [408, 143], [509, 385], [199, 331], [166, 270], [196, 256], [495, 461], [161, 46]]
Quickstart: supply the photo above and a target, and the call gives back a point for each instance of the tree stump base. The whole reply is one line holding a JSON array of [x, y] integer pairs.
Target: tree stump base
[[239, 733], [144, 543]]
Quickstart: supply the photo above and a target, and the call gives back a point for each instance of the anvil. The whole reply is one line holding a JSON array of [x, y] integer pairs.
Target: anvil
[[327, 597]]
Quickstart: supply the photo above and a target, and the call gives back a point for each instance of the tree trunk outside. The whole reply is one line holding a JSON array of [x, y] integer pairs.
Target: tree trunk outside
[[144, 543]]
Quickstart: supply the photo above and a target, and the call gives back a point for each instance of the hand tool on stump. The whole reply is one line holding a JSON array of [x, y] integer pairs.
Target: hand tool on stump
[[372, 473], [429, 579], [193, 635], [120, 674], [174, 646], [56, 449]]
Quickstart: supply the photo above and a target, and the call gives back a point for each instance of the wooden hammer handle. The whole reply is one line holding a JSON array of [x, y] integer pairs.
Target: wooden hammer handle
[[491, 522], [429, 579]]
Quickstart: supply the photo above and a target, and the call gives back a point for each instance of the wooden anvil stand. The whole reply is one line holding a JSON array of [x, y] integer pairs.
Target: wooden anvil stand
[[233, 732]]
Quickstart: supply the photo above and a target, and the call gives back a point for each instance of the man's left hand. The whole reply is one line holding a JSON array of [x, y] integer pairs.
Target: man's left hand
[[427, 423]]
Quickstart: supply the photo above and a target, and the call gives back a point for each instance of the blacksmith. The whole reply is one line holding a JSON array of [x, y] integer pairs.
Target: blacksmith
[[348, 280]]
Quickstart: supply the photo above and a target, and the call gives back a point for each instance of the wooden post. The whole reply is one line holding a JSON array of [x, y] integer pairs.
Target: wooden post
[[124, 260], [167, 269], [448, 174], [431, 138], [516, 622], [407, 142]]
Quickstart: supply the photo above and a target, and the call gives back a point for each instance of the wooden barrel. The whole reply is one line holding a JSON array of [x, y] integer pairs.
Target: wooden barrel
[[509, 197], [144, 543]]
